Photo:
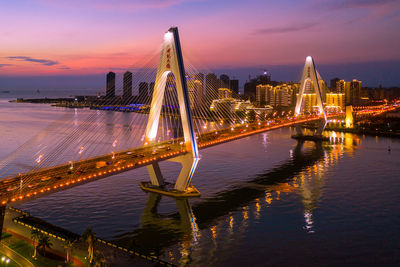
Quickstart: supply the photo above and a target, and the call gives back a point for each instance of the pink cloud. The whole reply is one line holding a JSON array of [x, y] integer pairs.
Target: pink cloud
[[129, 5]]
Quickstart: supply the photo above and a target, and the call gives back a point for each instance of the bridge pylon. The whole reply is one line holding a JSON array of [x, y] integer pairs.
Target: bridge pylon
[[311, 75], [171, 62]]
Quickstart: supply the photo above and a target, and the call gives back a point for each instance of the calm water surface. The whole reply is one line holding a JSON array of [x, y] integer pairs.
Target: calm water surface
[[266, 200]]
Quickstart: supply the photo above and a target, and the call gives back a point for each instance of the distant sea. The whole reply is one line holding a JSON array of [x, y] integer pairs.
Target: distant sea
[[14, 94]]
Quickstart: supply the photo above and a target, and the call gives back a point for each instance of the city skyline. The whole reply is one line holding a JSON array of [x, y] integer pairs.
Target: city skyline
[[75, 39]]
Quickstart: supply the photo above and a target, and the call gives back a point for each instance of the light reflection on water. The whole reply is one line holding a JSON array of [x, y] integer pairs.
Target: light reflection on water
[[265, 200]]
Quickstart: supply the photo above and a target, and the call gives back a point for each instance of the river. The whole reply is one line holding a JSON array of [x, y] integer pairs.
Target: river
[[266, 200]]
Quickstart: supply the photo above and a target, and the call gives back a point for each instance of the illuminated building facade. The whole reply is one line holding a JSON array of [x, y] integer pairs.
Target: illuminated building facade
[[224, 93], [340, 86], [283, 95], [334, 102], [229, 105], [353, 93], [195, 90]]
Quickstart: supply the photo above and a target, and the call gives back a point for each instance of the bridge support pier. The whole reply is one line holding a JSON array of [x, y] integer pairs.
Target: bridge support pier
[[182, 186], [316, 136], [156, 177]]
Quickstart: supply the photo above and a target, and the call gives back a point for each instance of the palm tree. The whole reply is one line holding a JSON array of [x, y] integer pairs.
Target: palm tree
[[89, 237], [44, 242], [68, 248], [35, 236], [99, 260]]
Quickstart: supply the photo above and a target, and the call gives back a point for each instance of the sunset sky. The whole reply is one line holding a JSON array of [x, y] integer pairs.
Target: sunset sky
[[85, 37]]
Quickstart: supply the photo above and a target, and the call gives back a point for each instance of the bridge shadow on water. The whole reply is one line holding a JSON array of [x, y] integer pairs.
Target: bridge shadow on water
[[158, 231]]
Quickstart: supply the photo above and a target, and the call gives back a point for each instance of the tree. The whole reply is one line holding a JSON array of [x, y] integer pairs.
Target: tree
[[35, 236], [44, 242], [68, 248], [99, 260], [89, 237]]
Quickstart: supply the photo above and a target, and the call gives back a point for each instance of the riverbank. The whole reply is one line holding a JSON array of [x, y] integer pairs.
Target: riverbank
[[358, 131], [17, 229]]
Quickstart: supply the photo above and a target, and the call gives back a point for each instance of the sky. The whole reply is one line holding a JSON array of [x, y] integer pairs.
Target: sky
[[86, 38]]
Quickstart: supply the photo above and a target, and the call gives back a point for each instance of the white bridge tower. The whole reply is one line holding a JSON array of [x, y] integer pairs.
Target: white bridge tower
[[310, 74], [171, 62]]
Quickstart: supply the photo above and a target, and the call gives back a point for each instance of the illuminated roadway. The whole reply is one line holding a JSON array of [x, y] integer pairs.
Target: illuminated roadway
[[40, 182]]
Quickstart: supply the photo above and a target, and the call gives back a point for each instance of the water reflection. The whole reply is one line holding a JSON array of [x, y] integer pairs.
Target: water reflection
[[187, 234]]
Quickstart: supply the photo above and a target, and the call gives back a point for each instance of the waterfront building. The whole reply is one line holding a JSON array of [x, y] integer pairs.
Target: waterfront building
[[224, 81], [143, 92], [229, 105], [263, 94], [127, 89], [211, 87], [335, 102], [353, 92], [110, 85], [224, 93], [283, 95], [234, 86], [250, 86], [340, 87], [195, 89], [333, 85]]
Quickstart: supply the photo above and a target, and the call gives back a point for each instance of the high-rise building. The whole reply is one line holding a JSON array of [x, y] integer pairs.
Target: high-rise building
[[195, 89], [353, 93], [224, 81], [333, 85], [262, 94], [211, 87], [143, 92], [265, 78], [340, 87], [250, 86], [335, 102], [283, 95], [127, 90], [234, 86], [110, 85]]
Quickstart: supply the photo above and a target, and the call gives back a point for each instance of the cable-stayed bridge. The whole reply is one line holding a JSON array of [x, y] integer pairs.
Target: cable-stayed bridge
[[171, 123]]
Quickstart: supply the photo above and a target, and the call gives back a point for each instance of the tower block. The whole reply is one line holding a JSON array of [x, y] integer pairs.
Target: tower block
[[310, 74], [171, 62]]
